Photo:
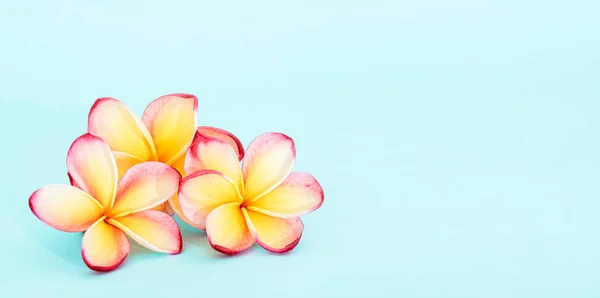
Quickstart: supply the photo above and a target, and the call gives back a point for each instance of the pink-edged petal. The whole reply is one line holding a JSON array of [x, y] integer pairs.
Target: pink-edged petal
[[225, 136], [171, 120], [104, 247], [144, 186], [152, 229], [202, 192], [274, 234], [118, 126], [227, 231], [72, 182], [93, 168], [65, 208], [300, 193], [268, 161], [208, 153]]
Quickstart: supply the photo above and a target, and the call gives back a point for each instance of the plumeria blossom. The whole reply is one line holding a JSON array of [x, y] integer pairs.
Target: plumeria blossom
[[164, 133], [260, 201], [226, 138], [107, 208]]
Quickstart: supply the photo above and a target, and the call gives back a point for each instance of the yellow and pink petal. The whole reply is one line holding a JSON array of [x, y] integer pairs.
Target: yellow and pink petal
[[300, 193], [152, 229], [225, 136], [104, 246], [274, 234], [227, 231], [268, 161], [144, 186], [92, 168], [117, 125], [71, 181], [209, 153], [202, 192], [65, 208], [171, 120]]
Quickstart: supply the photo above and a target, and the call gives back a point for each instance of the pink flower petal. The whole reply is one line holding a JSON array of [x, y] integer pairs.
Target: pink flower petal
[[225, 136], [104, 247], [298, 194], [208, 153], [274, 234], [227, 231], [268, 161], [92, 168], [72, 182], [65, 208], [121, 129], [202, 192], [171, 120], [152, 229]]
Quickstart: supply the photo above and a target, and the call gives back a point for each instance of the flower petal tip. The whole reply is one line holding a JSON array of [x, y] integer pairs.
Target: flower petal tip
[[224, 250], [179, 248], [209, 152], [100, 268], [283, 250], [184, 96], [286, 249], [225, 136], [276, 137], [300, 193], [101, 100], [92, 128], [86, 137]]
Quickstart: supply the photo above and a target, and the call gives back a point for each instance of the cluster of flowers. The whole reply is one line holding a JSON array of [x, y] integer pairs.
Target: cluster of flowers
[[129, 176]]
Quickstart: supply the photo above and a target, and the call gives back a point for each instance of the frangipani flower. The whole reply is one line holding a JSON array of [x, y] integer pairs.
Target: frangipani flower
[[108, 209], [219, 134], [260, 201], [164, 133]]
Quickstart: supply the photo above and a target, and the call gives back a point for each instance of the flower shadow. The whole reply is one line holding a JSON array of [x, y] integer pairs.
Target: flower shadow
[[67, 246], [138, 253]]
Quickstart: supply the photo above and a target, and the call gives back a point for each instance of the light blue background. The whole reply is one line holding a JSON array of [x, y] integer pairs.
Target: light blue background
[[457, 141]]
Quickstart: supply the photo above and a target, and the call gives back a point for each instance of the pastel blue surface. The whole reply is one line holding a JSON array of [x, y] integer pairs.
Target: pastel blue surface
[[457, 141]]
